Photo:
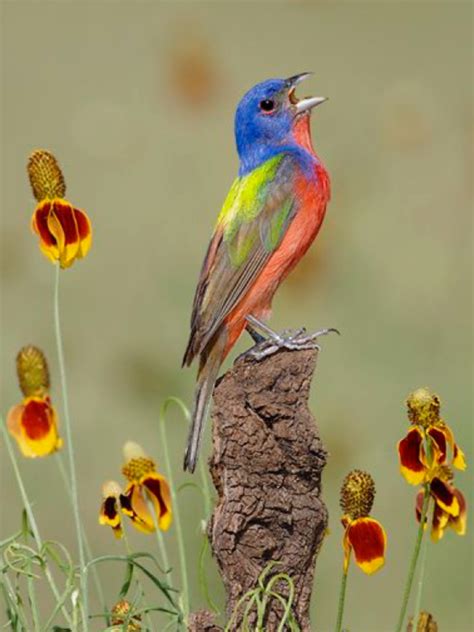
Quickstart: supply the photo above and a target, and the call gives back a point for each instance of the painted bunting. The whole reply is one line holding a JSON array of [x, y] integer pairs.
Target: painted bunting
[[271, 216]]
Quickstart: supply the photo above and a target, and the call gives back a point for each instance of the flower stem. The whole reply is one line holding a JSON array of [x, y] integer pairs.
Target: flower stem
[[414, 559], [32, 599], [162, 546], [70, 448], [342, 598], [14, 602], [421, 578], [32, 521], [128, 550], [88, 551], [174, 500]]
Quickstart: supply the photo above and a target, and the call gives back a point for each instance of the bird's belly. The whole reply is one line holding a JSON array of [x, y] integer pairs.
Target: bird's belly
[[298, 238]]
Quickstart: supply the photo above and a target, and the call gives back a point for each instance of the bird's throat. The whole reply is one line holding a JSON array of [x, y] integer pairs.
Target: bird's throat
[[302, 132]]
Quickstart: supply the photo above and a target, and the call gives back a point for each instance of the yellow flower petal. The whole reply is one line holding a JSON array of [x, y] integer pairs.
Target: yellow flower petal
[[34, 426], [445, 497], [135, 507], [65, 232], [159, 492], [412, 457], [368, 540], [459, 459], [109, 515]]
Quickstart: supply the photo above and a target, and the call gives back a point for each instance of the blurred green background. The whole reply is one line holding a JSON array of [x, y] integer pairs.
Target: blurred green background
[[137, 99]]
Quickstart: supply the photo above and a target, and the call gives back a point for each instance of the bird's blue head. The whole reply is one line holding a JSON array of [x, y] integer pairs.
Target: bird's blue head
[[266, 118]]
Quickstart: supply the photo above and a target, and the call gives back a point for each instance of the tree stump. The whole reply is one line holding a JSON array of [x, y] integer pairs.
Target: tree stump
[[266, 466]]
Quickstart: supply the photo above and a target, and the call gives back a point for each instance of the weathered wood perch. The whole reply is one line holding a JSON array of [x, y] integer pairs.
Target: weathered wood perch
[[266, 467]]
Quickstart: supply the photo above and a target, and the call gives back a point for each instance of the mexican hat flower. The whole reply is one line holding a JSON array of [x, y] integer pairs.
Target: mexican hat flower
[[110, 509], [33, 422], [429, 442], [428, 455], [450, 508], [145, 487], [64, 231], [363, 535]]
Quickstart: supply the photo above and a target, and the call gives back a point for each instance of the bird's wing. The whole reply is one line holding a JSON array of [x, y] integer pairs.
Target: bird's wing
[[251, 225]]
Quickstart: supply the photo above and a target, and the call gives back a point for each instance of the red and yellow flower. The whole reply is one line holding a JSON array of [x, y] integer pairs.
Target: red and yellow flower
[[146, 499], [428, 431], [110, 509], [363, 535], [145, 487], [65, 231], [450, 509], [427, 454], [33, 423]]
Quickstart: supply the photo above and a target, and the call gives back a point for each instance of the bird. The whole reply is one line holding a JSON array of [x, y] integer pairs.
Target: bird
[[271, 216]]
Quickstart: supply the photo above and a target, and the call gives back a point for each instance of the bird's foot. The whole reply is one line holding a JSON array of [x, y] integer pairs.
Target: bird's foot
[[291, 340]]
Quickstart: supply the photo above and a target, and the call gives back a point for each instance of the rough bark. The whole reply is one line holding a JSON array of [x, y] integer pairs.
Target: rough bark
[[266, 467], [202, 621]]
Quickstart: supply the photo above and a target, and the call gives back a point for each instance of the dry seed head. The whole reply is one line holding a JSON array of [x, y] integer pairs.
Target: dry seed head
[[32, 371], [425, 623], [357, 494], [121, 609], [423, 407], [121, 614], [46, 177]]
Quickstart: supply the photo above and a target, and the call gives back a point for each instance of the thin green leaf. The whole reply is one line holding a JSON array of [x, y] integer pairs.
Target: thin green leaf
[[203, 577], [163, 586], [127, 581]]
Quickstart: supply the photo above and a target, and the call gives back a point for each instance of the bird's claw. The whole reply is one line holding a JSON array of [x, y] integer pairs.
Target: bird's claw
[[291, 340]]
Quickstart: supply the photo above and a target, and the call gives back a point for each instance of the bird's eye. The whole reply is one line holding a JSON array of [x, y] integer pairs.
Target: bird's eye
[[267, 105]]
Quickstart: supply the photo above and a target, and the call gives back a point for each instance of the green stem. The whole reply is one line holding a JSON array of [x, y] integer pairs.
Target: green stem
[[128, 550], [421, 578], [88, 550], [32, 598], [166, 563], [414, 559], [163, 552], [70, 448], [31, 520], [174, 500], [342, 598], [203, 577], [12, 602]]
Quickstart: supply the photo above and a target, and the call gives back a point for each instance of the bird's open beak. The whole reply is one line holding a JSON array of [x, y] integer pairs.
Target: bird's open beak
[[306, 104]]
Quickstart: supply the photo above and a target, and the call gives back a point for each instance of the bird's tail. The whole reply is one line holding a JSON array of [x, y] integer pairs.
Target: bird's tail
[[208, 371]]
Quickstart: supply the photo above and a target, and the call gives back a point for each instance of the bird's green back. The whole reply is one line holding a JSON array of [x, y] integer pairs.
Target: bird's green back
[[247, 198]]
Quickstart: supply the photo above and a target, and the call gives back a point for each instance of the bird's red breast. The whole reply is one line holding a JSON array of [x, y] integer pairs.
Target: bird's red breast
[[313, 194]]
